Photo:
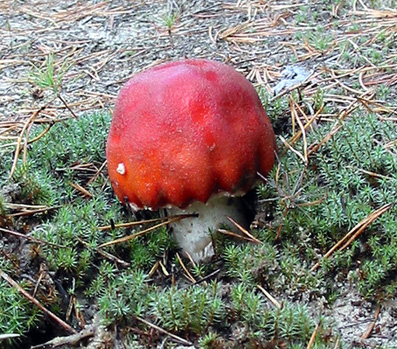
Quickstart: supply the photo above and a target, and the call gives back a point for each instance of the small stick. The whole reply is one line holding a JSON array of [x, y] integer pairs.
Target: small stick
[[67, 106], [33, 300]]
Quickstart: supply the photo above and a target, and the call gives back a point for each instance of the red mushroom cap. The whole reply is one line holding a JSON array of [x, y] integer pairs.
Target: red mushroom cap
[[186, 130]]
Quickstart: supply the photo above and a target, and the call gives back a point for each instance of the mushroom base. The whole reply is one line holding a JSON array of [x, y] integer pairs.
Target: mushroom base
[[194, 234]]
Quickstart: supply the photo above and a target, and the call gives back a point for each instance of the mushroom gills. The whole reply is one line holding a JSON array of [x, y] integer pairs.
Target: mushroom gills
[[194, 234]]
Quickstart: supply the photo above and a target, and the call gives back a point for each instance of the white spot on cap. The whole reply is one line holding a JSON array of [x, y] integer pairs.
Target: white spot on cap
[[121, 168]]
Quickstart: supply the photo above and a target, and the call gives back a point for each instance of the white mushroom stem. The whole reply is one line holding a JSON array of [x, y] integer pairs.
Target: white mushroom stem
[[194, 234]]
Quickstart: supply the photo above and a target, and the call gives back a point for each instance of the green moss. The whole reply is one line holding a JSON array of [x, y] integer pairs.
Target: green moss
[[348, 178], [17, 315], [311, 208], [192, 310]]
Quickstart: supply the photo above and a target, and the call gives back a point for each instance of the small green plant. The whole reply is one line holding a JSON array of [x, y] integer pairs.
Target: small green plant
[[318, 99], [17, 315], [169, 20], [211, 340], [191, 310], [291, 324], [49, 76], [274, 108], [3, 208], [123, 296], [320, 40]]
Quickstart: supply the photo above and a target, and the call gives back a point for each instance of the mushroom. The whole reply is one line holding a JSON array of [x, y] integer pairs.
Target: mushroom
[[189, 136]]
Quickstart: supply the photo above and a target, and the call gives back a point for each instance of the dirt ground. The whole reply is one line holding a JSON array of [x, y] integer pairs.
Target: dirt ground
[[104, 43], [107, 42]]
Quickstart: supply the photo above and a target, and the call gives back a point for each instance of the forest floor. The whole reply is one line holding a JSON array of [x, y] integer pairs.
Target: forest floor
[[312, 62]]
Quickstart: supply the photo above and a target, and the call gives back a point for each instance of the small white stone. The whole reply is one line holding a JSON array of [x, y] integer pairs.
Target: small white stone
[[121, 168]]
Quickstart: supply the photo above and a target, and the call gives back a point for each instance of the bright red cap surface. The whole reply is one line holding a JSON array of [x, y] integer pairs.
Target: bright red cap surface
[[185, 130]]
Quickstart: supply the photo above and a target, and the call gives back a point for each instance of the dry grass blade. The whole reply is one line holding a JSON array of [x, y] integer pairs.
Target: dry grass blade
[[8, 336], [190, 259], [290, 147], [29, 238], [313, 337], [173, 336], [372, 174], [153, 269], [270, 297], [33, 300], [146, 221], [205, 278], [366, 222], [371, 326], [95, 176], [314, 147], [164, 269], [189, 276], [337, 126], [25, 212], [105, 254], [19, 141], [355, 232], [337, 342], [302, 128], [298, 134], [80, 189], [30, 141], [172, 219], [243, 230], [235, 235]]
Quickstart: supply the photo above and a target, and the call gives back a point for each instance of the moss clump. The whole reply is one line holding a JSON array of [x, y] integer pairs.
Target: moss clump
[[310, 209], [348, 178], [16, 314]]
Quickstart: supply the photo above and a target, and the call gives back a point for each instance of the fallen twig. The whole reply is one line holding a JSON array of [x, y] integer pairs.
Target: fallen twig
[[33, 300], [371, 326], [31, 239]]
